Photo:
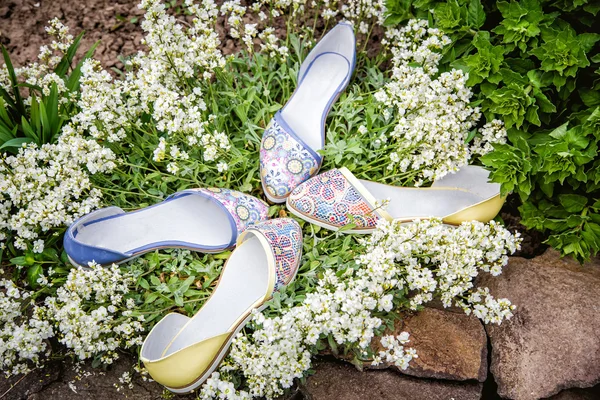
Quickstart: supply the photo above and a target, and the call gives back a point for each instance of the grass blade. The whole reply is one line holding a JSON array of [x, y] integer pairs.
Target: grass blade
[[64, 64], [52, 113], [29, 132], [73, 82], [15, 84], [15, 143]]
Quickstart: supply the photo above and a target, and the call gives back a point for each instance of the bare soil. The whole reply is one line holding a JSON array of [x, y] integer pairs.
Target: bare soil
[[22, 24]]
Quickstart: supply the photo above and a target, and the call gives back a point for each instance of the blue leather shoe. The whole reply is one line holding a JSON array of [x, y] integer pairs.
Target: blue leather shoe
[[204, 220]]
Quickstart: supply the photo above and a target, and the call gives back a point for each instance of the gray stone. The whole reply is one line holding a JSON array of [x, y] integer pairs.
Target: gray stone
[[553, 341], [335, 381], [578, 394]]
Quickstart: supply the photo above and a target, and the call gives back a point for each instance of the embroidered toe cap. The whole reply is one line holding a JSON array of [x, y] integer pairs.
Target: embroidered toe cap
[[285, 161], [285, 239], [329, 198], [245, 210]]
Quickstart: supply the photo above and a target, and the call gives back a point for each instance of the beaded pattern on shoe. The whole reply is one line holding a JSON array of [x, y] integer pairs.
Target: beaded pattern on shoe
[[284, 161], [285, 237], [246, 210], [331, 199]]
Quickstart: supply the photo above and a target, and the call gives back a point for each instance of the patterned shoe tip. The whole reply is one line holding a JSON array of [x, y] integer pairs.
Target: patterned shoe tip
[[285, 237], [330, 198], [246, 210], [284, 162]]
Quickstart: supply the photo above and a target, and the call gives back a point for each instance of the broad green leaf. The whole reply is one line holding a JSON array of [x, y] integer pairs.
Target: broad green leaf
[[475, 14], [590, 98], [16, 143], [572, 202], [33, 274]]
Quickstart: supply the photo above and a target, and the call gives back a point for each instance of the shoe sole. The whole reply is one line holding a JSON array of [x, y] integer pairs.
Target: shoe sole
[[273, 200]]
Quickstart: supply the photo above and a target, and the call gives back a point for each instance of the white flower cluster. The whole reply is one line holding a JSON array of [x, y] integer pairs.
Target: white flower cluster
[[361, 12], [432, 112], [22, 336], [164, 84], [280, 349], [41, 74], [455, 256], [47, 187], [492, 132], [341, 308], [253, 34], [394, 346], [92, 314]]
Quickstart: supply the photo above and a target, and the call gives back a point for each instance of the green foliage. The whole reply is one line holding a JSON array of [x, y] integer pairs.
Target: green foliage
[[42, 119], [534, 64]]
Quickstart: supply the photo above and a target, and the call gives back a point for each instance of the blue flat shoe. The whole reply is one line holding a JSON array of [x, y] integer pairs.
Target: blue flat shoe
[[290, 144], [203, 220]]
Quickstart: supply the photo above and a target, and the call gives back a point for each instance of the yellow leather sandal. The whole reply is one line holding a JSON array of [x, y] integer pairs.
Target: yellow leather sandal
[[337, 198], [181, 352]]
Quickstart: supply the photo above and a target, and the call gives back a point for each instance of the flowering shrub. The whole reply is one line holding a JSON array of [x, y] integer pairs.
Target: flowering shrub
[[432, 111], [93, 313], [22, 337], [535, 65], [47, 187], [90, 313]]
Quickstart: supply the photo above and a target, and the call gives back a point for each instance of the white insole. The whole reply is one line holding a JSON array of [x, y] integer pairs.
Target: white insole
[[245, 281], [304, 112], [424, 202], [192, 219]]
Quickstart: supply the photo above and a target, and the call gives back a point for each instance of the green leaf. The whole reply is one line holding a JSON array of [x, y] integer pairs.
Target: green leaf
[[154, 280], [572, 202], [18, 101], [74, 79], [64, 64], [178, 297], [33, 274], [144, 283], [16, 143], [151, 298], [590, 98], [475, 14], [588, 40], [448, 16], [185, 285], [532, 115], [18, 260], [560, 132]]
